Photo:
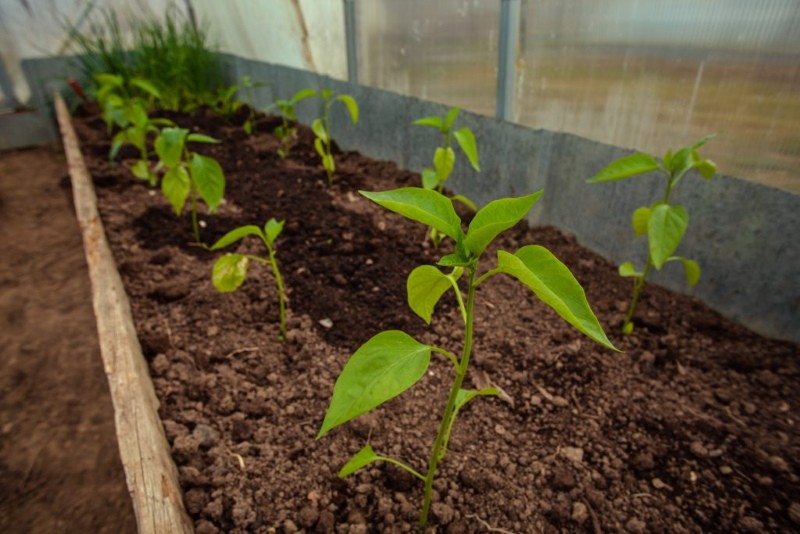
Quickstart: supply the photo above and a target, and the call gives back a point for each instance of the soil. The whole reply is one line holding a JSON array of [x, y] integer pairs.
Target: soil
[[59, 463], [693, 428]]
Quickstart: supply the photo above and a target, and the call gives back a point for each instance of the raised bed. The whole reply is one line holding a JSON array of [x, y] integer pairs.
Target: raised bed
[[691, 429]]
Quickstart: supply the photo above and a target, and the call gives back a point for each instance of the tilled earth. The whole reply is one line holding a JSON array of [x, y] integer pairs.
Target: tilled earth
[[693, 428]]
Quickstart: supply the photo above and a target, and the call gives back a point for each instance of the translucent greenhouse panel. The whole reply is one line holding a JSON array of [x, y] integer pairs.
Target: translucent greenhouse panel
[[40, 28], [305, 34], [650, 75], [444, 51]]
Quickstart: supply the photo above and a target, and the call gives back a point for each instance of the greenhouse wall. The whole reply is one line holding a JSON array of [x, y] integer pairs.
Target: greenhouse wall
[[735, 224]]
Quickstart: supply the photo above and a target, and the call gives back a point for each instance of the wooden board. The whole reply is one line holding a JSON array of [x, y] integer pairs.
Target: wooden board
[[149, 470]]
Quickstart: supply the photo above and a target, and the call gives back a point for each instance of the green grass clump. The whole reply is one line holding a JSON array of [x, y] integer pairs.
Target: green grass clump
[[171, 53]]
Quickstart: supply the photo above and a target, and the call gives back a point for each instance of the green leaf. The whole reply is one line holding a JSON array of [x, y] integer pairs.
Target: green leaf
[[496, 217], [626, 167], [382, 368], [429, 178], [690, 267], [319, 130], [170, 144], [141, 169], [116, 144], [175, 185], [466, 140], [137, 137], [464, 200], [201, 138], [146, 86], [361, 459], [328, 163], [108, 80], [351, 105], [554, 284], [706, 168], [248, 127], [302, 94], [703, 140], [453, 260], [639, 220], [433, 122], [443, 161], [450, 118], [272, 229], [465, 395], [229, 272], [628, 270], [208, 179], [319, 147], [665, 230], [136, 113], [236, 234], [425, 286], [422, 205]]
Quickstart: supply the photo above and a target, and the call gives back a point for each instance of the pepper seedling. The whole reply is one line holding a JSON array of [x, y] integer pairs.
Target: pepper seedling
[[189, 174], [392, 361], [139, 128], [230, 270], [444, 159], [287, 131], [117, 94], [322, 128], [664, 223]]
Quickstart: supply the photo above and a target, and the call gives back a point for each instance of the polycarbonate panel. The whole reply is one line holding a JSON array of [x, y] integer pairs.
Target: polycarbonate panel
[[652, 75], [444, 51], [305, 34], [40, 28]]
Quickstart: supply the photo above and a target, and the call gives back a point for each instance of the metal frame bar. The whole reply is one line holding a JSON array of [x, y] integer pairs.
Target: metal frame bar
[[351, 36], [507, 61]]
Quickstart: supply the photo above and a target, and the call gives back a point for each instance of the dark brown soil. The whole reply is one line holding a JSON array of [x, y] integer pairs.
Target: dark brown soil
[[693, 428], [59, 462]]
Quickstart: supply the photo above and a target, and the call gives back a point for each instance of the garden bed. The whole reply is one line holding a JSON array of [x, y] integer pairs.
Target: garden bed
[[692, 428]]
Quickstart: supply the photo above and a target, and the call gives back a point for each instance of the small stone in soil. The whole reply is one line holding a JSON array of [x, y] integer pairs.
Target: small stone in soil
[[207, 436], [698, 449], [750, 524], [636, 526], [779, 464], [794, 512], [579, 513], [563, 478], [326, 323], [574, 454]]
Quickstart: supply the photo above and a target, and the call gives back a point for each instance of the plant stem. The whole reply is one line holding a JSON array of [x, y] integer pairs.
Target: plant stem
[[440, 445], [637, 291], [281, 295], [195, 225]]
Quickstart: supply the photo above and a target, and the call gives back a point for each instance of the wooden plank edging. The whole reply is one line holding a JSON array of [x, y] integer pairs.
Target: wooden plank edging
[[150, 473]]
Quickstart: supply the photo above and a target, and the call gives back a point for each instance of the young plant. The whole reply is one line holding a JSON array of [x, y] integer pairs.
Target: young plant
[[227, 104], [139, 128], [231, 269], [287, 131], [118, 96], [392, 361], [189, 174], [322, 128], [664, 223], [444, 158]]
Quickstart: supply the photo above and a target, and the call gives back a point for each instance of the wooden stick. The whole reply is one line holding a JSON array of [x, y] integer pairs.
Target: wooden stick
[[149, 470]]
